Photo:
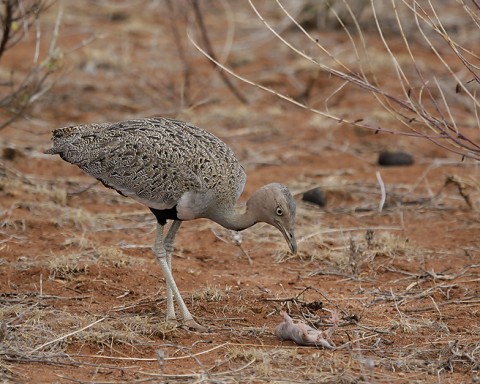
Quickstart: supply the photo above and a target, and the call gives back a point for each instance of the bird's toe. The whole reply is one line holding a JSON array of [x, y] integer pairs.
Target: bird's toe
[[191, 324]]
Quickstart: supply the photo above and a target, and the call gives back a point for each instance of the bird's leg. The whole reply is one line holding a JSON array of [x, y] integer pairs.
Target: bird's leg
[[168, 242], [161, 255]]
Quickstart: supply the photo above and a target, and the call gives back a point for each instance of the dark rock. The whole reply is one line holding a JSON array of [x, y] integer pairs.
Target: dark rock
[[120, 16], [389, 159], [9, 153], [315, 196]]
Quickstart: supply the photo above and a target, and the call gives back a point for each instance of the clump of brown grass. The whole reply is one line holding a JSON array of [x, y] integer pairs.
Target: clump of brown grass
[[126, 330], [211, 294], [351, 255], [265, 361], [114, 256], [38, 329], [365, 249], [71, 265], [79, 218], [66, 267], [20, 186]]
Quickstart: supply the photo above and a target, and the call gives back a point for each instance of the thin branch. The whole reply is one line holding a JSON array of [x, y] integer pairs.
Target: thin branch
[[67, 335], [7, 25], [186, 69], [383, 192], [356, 123], [211, 53]]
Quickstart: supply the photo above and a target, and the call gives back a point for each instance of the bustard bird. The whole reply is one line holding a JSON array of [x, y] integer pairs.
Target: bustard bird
[[180, 172]]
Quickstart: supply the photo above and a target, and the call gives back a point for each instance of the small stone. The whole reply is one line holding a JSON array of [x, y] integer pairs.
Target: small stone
[[9, 153], [389, 159], [120, 16], [315, 196]]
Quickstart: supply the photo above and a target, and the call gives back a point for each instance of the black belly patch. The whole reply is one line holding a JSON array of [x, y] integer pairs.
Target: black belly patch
[[163, 215]]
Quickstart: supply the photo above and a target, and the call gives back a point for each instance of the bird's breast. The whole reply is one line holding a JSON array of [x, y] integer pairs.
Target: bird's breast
[[193, 204]]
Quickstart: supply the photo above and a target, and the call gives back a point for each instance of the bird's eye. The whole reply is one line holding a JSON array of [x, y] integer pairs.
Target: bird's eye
[[279, 211]]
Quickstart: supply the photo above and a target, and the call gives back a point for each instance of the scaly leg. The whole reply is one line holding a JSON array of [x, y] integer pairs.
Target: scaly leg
[[168, 243], [161, 255]]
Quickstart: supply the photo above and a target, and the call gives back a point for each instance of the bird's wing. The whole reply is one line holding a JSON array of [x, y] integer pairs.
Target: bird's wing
[[155, 161], [150, 171]]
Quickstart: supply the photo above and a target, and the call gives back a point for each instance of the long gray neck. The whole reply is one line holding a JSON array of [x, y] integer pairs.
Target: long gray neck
[[234, 219]]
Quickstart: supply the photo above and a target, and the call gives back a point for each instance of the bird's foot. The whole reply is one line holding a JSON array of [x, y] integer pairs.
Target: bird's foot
[[171, 323], [191, 324]]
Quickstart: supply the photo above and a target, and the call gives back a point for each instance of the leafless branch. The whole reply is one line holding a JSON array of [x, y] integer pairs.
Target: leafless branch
[[417, 97], [16, 18], [211, 53]]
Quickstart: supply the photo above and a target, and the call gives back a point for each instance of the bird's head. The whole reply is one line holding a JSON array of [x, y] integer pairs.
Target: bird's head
[[274, 205]]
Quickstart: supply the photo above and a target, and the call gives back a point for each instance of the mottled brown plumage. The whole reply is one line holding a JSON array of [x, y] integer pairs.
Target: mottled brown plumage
[[181, 172]]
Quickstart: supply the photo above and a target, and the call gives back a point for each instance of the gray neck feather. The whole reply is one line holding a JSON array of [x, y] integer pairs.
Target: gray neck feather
[[236, 219]]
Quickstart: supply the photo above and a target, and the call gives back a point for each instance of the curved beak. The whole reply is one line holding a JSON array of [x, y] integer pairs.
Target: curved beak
[[289, 236], [292, 243]]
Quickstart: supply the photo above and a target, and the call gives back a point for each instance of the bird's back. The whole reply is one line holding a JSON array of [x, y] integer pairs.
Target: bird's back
[[155, 160]]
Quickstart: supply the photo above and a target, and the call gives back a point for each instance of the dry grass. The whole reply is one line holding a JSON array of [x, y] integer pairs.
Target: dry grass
[[211, 294], [33, 325]]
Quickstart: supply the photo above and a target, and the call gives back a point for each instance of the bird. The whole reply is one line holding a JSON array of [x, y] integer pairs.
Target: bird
[[180, 172]]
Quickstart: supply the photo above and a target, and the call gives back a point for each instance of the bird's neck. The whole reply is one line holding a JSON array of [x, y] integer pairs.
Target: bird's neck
[[236, 219]]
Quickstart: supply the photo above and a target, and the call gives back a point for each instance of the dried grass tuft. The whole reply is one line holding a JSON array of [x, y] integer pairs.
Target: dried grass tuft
[[114, 256], [34, 329], [66, 267], [211, 294]]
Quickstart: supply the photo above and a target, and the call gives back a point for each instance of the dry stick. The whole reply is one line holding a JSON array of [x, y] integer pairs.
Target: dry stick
[[198, 375], [32, 86], [448, 128], [436, 306], [307, 237], [475, 18], [430, 121], [68, 334], [233, 242], [425, 293], [436, 26], [351, 77], [356, 123], [433, 123], [211, 53], [417, 107], [56, 31], [161, 358], [468, 302], [384, 101], [181, 53], [7, 24], [190, 356], [396, 305], [382, 189], [295, 102], [439, 56]]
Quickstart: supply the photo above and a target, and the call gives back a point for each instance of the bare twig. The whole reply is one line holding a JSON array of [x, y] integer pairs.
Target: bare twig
[[186, 68], [417, 108], [34, 83], [382, 189], [67, 335], [211, 53]]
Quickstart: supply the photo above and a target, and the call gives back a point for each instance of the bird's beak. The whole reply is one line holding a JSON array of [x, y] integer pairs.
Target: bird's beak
[[289, 236], [292, 242]]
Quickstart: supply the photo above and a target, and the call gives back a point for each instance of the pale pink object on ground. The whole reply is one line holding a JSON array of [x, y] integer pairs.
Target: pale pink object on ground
[[303, 334]]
